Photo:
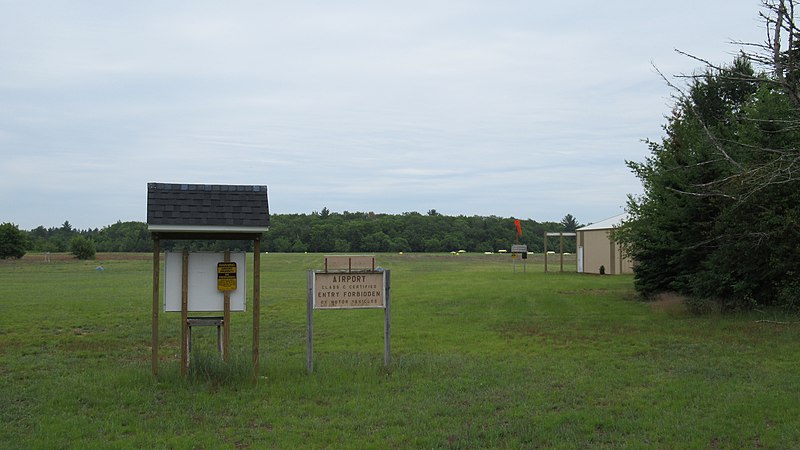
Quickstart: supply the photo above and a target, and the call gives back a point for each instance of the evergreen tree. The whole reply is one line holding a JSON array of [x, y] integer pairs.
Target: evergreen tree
[[569, 223], [708, 224]]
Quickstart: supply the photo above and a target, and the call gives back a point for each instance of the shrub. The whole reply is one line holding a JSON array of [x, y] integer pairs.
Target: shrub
[[702, 306], [789, 296], [12, 241], [82, 248]]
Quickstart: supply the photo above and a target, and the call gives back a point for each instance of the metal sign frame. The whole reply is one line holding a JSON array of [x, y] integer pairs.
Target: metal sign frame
[[349, 276], [522, 250]]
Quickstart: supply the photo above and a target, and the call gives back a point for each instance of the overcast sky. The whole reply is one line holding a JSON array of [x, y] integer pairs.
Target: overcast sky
[[485, 107]]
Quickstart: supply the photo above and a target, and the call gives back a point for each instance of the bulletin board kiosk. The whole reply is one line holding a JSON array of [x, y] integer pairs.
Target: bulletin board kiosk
[[202, 285]]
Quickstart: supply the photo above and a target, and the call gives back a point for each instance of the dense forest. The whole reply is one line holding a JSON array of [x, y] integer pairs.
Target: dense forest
[[331, 232]]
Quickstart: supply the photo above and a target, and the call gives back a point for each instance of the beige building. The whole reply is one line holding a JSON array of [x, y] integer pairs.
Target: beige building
[[596, 249]]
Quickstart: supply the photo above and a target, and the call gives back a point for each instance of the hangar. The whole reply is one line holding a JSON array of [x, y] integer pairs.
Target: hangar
[[597, 250]]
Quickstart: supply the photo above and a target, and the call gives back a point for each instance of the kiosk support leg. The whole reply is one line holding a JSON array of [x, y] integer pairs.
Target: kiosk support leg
[[185, 313], [256, 303], [156, 273]]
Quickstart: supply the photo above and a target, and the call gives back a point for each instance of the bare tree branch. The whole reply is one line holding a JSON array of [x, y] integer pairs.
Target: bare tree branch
[[708, 132], [783, 166]]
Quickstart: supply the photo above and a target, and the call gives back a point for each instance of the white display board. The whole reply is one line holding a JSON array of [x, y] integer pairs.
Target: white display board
[[203, 293]]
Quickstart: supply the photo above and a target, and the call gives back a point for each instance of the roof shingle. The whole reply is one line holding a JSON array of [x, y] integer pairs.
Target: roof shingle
[[207, 205]]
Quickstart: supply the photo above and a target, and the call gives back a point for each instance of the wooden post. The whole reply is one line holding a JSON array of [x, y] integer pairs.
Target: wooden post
[[310, 322], [156, 273], [545, 251], [561, 249], [387, 321], [256, 302], [226, 316], [185, 313]]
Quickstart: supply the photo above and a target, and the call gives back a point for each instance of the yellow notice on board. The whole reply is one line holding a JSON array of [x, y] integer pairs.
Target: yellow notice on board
[[226, 276]]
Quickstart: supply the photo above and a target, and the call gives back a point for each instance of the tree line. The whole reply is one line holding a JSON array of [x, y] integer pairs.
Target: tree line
[[323, 231], [327, 231]]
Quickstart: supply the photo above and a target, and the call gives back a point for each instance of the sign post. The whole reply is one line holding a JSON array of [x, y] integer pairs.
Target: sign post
[[522, 250], [348, 283]]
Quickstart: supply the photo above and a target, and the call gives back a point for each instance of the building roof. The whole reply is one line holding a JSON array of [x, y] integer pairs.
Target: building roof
[[173, 207], [607, 224]]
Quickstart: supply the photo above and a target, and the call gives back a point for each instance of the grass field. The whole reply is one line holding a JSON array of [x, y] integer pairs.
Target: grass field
[[482, 357]]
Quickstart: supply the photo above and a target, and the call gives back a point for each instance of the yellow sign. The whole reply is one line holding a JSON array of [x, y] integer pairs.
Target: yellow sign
[[226, 276]]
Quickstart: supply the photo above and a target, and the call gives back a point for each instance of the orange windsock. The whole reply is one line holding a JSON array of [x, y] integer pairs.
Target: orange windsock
[[519, 228]]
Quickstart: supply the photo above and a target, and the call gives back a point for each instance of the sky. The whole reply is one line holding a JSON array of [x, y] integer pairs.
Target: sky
[[525, 109]]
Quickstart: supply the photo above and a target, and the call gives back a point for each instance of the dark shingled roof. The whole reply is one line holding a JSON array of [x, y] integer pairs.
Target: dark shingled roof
[[207, 205]]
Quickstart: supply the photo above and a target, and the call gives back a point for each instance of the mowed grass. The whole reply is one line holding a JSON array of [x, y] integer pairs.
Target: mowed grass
[[482, 356]]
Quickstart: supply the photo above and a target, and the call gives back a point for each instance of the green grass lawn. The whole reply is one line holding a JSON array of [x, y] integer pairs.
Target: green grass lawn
[[482, 356]]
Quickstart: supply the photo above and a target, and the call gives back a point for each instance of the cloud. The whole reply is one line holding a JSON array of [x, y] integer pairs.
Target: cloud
[[468, 107]]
